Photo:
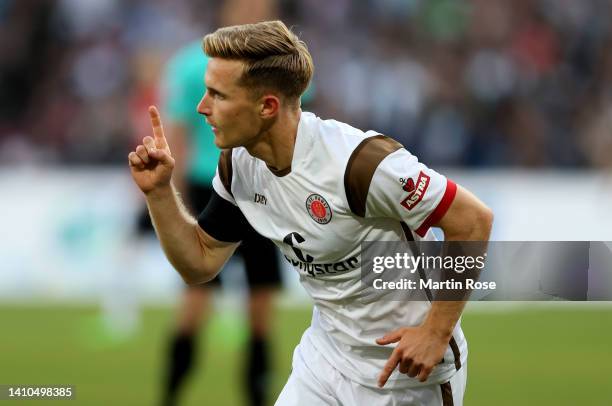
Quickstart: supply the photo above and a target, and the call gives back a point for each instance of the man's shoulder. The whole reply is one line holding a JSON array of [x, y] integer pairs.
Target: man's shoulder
[[336, 137], [331, 129]]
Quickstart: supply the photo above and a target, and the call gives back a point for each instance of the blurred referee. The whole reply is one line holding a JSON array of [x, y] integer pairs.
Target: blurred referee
[[192, 142]]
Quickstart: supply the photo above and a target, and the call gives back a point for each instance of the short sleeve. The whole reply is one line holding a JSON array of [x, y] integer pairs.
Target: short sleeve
[[405, 189], [222, 181], [223, 220], [221, 189]]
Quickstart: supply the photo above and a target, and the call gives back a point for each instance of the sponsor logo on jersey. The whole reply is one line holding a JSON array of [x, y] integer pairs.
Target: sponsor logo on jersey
[[316, 269], [293, 239], [416, 190], [318, 208], [260, 199], [408, 185], [305, 262]]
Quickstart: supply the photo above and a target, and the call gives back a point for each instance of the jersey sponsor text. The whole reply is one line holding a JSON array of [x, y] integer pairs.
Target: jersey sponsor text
[[417, 195]]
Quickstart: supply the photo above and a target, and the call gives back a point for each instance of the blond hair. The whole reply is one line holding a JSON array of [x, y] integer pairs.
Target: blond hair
[[273, 56]]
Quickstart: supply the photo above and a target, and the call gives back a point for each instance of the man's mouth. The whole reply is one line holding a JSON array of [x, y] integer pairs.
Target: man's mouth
[[212, 126]]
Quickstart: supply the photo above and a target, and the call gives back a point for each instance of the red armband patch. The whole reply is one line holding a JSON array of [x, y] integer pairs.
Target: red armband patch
[[418, 191]]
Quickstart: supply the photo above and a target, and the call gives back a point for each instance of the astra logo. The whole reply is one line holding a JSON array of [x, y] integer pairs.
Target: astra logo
[[416, 191], [260, 199], [408, 185]]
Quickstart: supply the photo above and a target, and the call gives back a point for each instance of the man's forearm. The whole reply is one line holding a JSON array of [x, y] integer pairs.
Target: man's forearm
[[444, 315], [176, 230]]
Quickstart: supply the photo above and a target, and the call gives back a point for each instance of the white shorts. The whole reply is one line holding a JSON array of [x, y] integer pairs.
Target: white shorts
[[314, 381]]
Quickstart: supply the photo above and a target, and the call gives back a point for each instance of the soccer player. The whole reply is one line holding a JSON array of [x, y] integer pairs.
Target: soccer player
[[316, 188], [197, 156]]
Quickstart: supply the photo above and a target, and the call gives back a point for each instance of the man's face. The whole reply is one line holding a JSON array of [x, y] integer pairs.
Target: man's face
[[229, 108]]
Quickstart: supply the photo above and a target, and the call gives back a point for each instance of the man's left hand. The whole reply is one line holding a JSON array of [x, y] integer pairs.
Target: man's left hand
[[418, 351]]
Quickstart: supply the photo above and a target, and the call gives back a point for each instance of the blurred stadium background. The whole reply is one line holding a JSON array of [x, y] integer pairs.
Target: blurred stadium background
[[513, 98]]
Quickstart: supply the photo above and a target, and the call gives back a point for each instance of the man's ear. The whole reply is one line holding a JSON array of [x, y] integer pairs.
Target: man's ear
[[270, 104]]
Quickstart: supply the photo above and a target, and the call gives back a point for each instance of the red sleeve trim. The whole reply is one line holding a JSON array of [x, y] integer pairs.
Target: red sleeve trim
[[440, 211]]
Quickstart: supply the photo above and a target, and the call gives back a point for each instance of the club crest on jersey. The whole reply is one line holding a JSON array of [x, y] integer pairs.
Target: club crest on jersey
[[416, 191], [318, 208]]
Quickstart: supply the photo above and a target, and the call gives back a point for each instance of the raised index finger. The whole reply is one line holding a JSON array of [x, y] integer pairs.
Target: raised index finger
[[389, 367], [158, 129]]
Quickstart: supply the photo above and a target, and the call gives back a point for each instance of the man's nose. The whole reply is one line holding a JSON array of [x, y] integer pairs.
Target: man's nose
[[203, 107]]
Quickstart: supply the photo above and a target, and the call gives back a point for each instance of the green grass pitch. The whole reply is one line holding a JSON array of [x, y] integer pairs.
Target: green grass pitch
[[525, 356]]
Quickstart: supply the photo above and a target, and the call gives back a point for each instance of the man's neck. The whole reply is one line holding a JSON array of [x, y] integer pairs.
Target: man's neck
[[276, 145]]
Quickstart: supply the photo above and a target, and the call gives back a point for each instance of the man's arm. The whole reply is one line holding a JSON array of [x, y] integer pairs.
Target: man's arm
[[197, 256], [419, 349], [467, 219]]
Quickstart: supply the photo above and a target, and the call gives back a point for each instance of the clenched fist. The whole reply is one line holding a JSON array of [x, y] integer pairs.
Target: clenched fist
[[151, 163]]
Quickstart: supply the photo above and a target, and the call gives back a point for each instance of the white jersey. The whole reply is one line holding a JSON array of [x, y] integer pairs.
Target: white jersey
[[344, 187]]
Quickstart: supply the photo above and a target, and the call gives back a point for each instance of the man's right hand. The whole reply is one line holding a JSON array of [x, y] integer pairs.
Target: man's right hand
[[151, 163]]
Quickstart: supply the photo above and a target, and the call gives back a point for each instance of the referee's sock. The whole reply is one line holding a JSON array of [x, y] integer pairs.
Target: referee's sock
[[181, 359], [257, 370]]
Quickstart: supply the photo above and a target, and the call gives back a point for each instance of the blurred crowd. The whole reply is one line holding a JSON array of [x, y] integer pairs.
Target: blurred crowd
[[475, 83]]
